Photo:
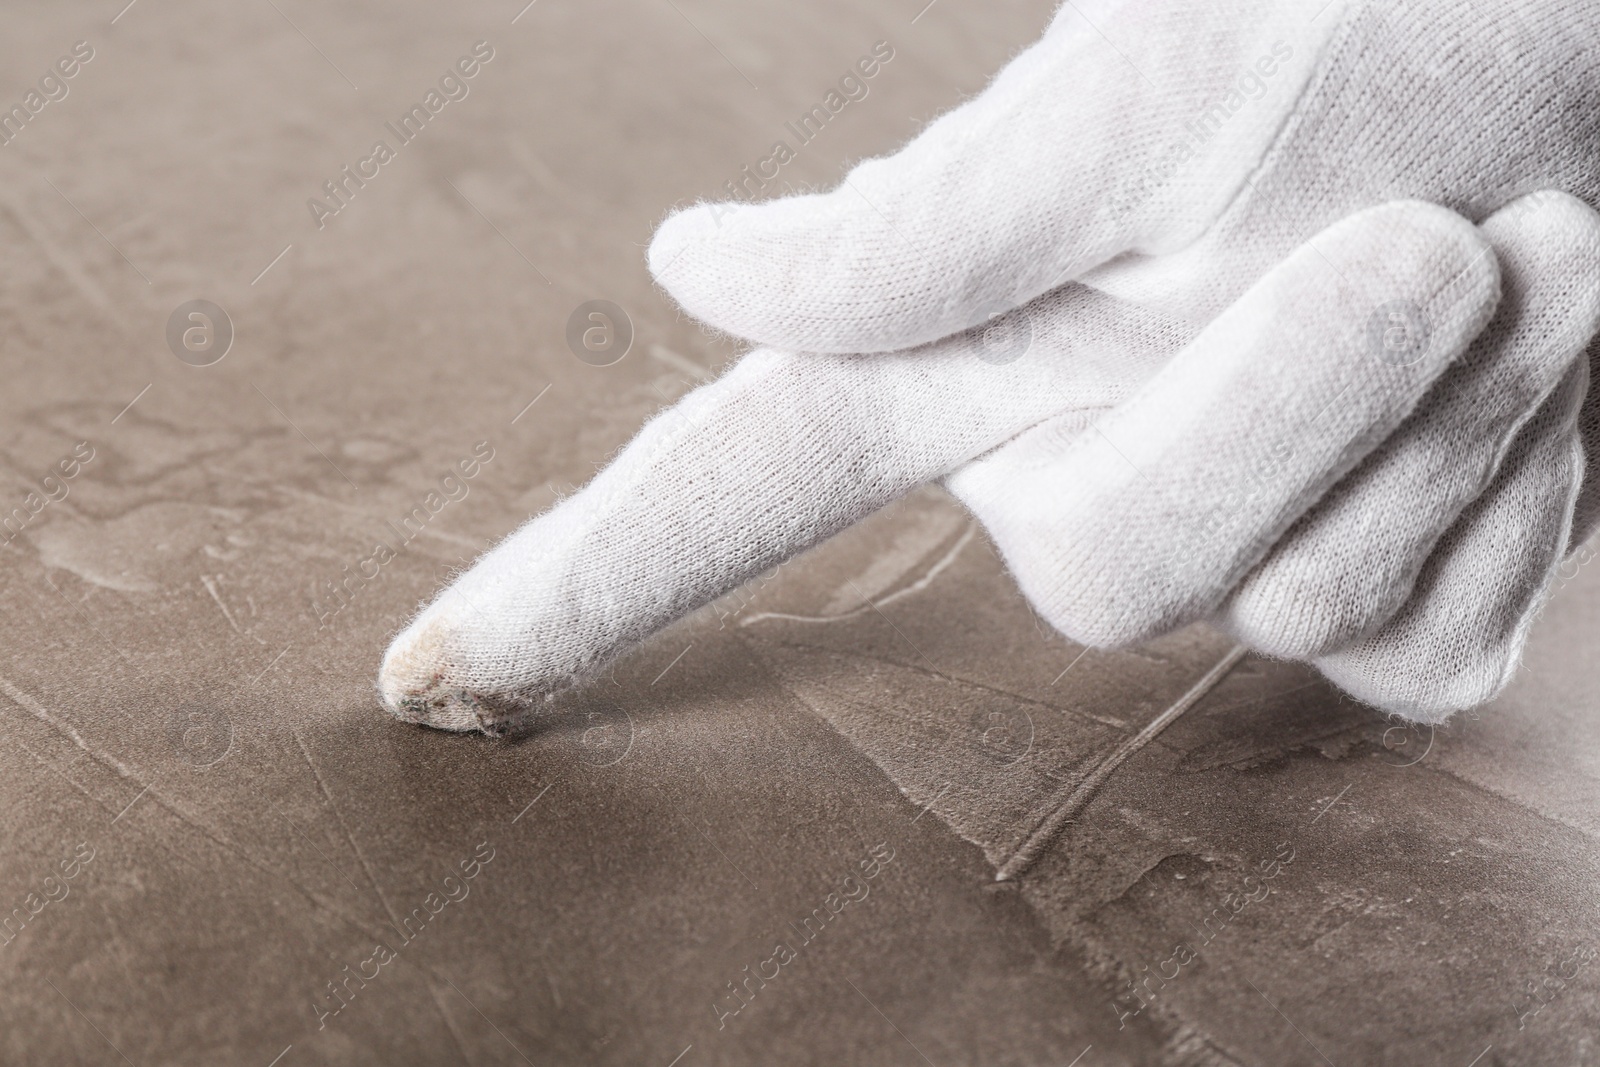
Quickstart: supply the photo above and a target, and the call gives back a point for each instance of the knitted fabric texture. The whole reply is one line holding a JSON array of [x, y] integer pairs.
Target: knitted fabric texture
[[1186, 208]]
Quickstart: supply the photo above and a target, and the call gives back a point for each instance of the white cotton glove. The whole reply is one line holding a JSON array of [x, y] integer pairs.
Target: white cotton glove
[[1361, 584], [1167, 156], [786, 449], [1169, 153]]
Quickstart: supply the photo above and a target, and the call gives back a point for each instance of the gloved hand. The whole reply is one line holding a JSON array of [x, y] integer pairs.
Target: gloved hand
[[1413, 582], [1169, 152], [787, 449], [1168, 155]]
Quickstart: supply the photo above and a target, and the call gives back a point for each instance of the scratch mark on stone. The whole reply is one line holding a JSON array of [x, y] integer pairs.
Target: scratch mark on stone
[[271, 665], [679, 363], [39, 711], [339, 817], [450, 538], [211, 587], [1071, 665], [88, 1020], [880, 602], [60, 774], [319, 851], [1297, 1029], [531, 803], [892, 626], [394, 917], [1331, 803], [130, 804], [956, 680], [316, 899], [215, 837], [51, 250], [674, 663], [1078, 797], [931, 803], [730, 863]]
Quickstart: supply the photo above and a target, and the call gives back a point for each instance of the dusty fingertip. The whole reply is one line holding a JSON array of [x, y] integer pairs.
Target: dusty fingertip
[[412, 685]]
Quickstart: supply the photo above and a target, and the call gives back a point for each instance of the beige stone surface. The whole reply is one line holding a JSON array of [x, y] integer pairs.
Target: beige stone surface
[[189, 728]]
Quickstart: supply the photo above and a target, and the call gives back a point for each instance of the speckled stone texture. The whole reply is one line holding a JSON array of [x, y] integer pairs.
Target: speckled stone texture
[[279, 873]]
